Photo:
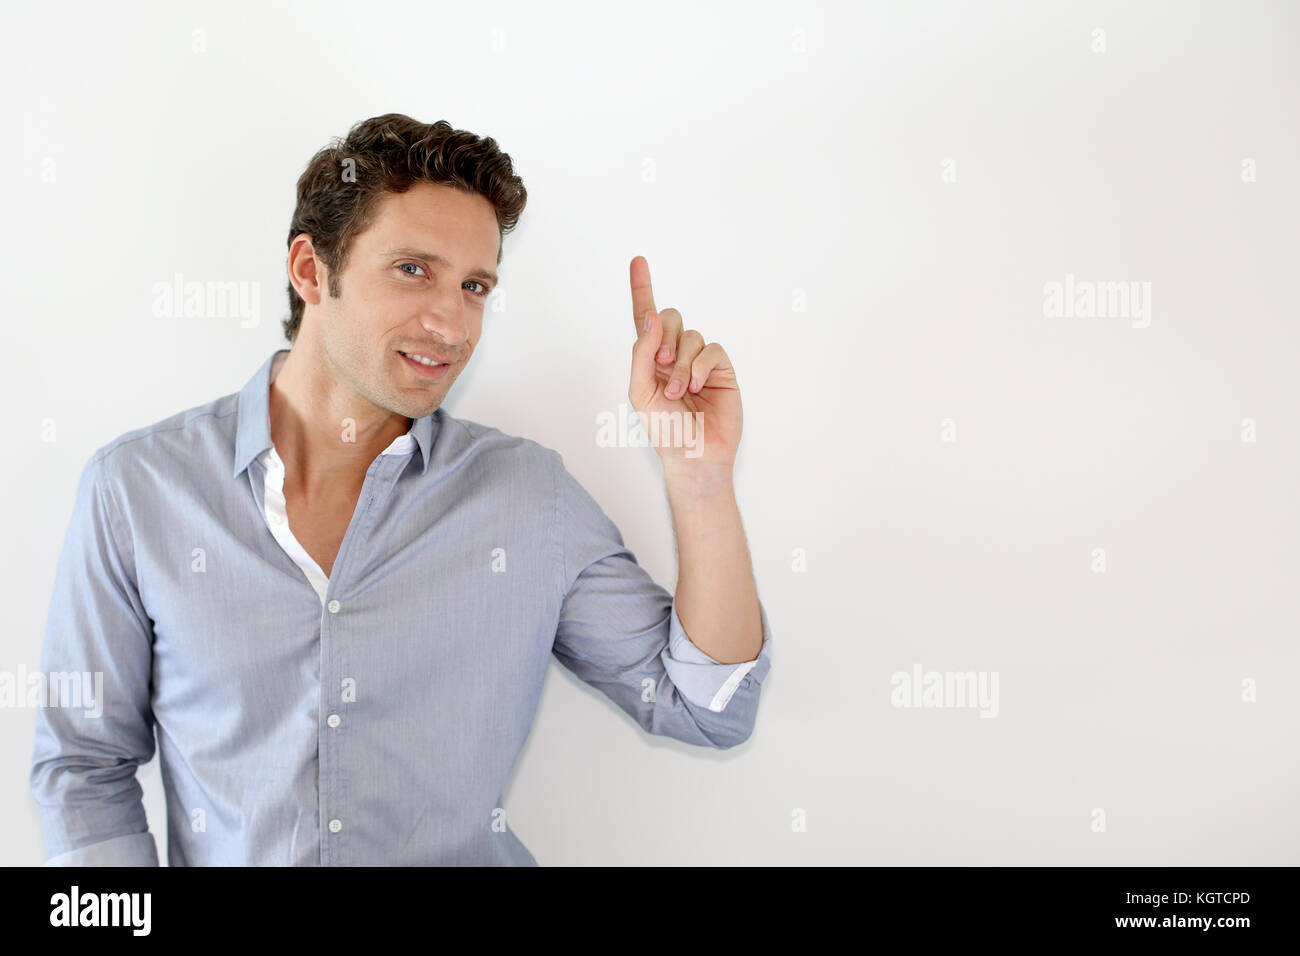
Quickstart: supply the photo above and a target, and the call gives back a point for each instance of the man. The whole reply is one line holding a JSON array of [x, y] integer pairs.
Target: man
[[335, 602]]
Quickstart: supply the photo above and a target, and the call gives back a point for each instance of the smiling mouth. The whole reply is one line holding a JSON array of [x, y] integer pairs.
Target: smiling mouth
[[434, 372], [427, 361]]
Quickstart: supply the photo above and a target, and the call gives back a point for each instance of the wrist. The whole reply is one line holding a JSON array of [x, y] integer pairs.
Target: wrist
[[698, 479]]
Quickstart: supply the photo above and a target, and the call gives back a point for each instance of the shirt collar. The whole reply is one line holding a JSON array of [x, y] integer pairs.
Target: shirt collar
[[253, 422]]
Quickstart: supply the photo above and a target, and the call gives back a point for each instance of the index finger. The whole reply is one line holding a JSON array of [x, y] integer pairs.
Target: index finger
[[643, 299]]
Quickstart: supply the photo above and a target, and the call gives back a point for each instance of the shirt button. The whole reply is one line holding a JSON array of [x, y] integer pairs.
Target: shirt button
[[276, 520], [334, 607], [334, 720], [336, 826]]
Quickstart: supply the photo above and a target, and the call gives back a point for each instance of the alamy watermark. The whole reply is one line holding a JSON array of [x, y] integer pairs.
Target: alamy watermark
[[658, 429], [1085, 299], [129, 910], [69, 689], [922, 688], [179, 299]]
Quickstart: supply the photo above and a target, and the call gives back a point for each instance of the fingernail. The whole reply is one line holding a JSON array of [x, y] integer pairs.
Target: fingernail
[[645, 321], [664, 353], [673, 388], [695, 382]]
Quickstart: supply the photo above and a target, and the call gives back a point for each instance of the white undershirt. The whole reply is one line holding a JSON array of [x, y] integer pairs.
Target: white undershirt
[[277, 516]]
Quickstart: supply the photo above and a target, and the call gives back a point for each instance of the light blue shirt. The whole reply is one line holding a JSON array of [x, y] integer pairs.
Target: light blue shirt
[[368, 718]]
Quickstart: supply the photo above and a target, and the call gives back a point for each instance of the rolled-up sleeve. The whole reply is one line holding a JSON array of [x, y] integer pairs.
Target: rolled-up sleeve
[[83, 769], [703, 680], [619, 632]]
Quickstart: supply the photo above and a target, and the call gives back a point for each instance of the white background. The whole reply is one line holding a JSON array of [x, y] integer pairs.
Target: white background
[[797, 153]]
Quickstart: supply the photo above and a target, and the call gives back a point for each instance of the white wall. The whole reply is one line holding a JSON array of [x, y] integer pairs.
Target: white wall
[[799, 155]]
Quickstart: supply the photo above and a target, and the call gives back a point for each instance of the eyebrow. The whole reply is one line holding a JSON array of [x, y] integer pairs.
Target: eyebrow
[[410, 253]]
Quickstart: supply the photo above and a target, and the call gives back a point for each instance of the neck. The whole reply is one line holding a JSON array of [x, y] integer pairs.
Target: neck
[[325, 433]]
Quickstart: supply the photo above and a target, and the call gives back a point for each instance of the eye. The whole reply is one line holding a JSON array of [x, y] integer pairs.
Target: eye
[[480, 285], [413, 265]]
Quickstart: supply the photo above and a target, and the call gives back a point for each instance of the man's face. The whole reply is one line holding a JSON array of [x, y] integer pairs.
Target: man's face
[[414, 282]]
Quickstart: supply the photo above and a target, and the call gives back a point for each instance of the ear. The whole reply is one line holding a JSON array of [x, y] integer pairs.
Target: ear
[[306, 272]]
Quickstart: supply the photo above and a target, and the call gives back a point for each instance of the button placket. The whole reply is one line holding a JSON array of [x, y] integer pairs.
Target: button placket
[[334, 797], [334, 769]]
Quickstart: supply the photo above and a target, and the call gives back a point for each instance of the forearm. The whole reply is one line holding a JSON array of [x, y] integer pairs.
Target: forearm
[[717, 598]]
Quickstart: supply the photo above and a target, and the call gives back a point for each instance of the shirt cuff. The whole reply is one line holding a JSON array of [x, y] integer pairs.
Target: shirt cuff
[[133, 849], [700, 678]]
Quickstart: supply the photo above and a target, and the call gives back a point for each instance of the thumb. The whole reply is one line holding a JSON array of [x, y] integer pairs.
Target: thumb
[[643, 383]]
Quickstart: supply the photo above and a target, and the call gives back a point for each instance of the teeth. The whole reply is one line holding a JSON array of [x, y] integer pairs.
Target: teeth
[[422, 359]]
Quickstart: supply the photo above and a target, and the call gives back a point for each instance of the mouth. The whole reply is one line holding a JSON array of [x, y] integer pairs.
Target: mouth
[[426, 366]]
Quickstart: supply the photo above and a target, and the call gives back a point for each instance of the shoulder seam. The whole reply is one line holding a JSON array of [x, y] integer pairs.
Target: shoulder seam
[[558, 537], [108, 500], [150, 430]]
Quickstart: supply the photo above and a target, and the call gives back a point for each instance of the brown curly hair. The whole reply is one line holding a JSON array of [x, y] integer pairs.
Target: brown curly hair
[[391, 153]]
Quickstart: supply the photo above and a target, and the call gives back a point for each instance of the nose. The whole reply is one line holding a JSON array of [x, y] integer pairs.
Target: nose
[[444, 316]]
